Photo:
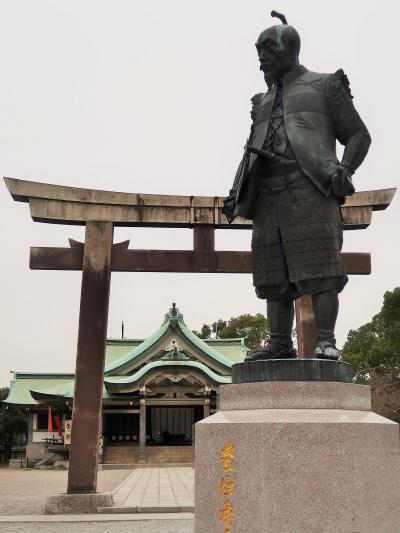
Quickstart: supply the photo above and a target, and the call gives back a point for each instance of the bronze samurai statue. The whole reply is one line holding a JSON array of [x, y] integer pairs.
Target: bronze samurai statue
[[291, 184]]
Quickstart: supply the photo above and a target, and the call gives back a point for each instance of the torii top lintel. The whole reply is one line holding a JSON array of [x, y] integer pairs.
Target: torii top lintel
[[73, 205]]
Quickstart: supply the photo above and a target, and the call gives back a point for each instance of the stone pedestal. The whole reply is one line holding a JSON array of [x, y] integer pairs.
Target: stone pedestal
[[78, 503], [288, 457]]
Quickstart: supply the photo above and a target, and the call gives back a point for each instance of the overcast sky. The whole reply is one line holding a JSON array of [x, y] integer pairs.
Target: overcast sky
[[154, 97]]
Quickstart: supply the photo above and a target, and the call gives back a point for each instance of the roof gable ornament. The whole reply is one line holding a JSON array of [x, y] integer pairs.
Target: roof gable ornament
[[175, 378], [174, 316], [174, 352]]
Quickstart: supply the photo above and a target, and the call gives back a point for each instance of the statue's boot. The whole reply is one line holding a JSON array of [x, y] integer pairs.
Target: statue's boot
[[280, 345], [326, 306]]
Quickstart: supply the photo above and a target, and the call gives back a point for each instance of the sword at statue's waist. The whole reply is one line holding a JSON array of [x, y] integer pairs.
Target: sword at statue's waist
[[269, 155]]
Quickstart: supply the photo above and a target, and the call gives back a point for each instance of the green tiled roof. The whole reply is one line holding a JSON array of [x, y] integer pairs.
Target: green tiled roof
[[53, 385], [22, 383], [173, 320], [119, 355], [64, 391], [122, 361], [112, 383], [233, 349], [116, 348]]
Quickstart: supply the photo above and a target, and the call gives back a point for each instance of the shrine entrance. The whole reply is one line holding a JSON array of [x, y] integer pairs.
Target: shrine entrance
[[120, 428], [173, 426], [169, 426], [169, 435]]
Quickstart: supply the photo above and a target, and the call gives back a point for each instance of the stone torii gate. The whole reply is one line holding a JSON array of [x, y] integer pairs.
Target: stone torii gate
[[100, 211]]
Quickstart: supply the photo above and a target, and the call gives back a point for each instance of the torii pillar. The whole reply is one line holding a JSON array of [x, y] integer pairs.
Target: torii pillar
[[90, 356]]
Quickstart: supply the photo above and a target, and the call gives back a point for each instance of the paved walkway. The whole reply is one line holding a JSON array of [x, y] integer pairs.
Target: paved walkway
[[152, 490]]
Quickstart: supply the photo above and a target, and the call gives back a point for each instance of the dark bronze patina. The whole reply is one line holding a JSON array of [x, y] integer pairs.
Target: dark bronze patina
[[292, 370], [291, 184]]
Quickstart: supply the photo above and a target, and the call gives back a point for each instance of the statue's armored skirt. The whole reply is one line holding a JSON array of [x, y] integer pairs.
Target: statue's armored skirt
[[297, 239]]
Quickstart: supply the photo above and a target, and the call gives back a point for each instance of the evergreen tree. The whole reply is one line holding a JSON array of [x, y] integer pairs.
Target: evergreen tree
[[13, 424], [374, 348], [374, 352], [253, 328]]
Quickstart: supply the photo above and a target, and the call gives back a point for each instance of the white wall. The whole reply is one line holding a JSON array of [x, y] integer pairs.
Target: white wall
[[39, 435]]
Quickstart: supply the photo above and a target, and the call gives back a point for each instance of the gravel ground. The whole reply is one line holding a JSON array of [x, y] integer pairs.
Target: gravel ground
[[24, 492], [147, 526]]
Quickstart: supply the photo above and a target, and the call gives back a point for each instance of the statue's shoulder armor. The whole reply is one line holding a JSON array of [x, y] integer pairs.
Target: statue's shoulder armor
[[256, 99], [255, 104], [332, 84], [338, 81], [334, 80]]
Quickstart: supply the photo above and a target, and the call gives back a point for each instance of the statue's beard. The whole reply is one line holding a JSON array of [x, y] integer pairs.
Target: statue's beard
[[270, 78], [275, 71]]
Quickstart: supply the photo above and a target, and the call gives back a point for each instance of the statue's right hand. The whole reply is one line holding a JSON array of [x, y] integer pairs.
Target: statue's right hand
[[229, 206], [342, 184]]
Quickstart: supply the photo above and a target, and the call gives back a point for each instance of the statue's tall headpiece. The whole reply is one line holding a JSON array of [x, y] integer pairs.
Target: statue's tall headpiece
[[279, 16]]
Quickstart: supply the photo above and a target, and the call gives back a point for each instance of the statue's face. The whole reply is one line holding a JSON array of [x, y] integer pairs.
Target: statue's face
[[275, 56]]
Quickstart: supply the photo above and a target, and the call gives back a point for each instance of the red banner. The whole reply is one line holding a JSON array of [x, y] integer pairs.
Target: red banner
[[57, 420], [49, 421]]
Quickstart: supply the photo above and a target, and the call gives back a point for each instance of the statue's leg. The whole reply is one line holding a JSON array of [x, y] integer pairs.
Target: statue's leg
[[280, 314], [326, 307]]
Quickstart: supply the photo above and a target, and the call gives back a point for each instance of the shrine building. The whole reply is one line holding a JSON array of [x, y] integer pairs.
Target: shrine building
[[154, 391]]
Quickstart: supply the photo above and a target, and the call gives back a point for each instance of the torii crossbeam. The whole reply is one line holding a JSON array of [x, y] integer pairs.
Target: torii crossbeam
[[100, 211]]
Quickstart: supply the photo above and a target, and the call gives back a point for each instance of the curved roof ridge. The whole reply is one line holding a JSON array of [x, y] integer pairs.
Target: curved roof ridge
[[123, 380]]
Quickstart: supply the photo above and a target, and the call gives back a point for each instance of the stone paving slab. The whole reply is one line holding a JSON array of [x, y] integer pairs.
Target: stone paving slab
[[154, 490]]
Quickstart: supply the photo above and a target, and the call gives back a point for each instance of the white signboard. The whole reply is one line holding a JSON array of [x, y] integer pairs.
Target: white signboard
[[67, 431]]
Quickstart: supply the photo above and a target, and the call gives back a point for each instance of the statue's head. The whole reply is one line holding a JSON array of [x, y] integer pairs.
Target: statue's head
[[278, 50]]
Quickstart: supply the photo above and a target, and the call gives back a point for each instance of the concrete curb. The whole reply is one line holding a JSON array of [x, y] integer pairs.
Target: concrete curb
[[133, 466], [151, 510], [95, 517]]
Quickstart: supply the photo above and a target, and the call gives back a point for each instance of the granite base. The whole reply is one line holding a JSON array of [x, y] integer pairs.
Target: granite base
[[306, 457]]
